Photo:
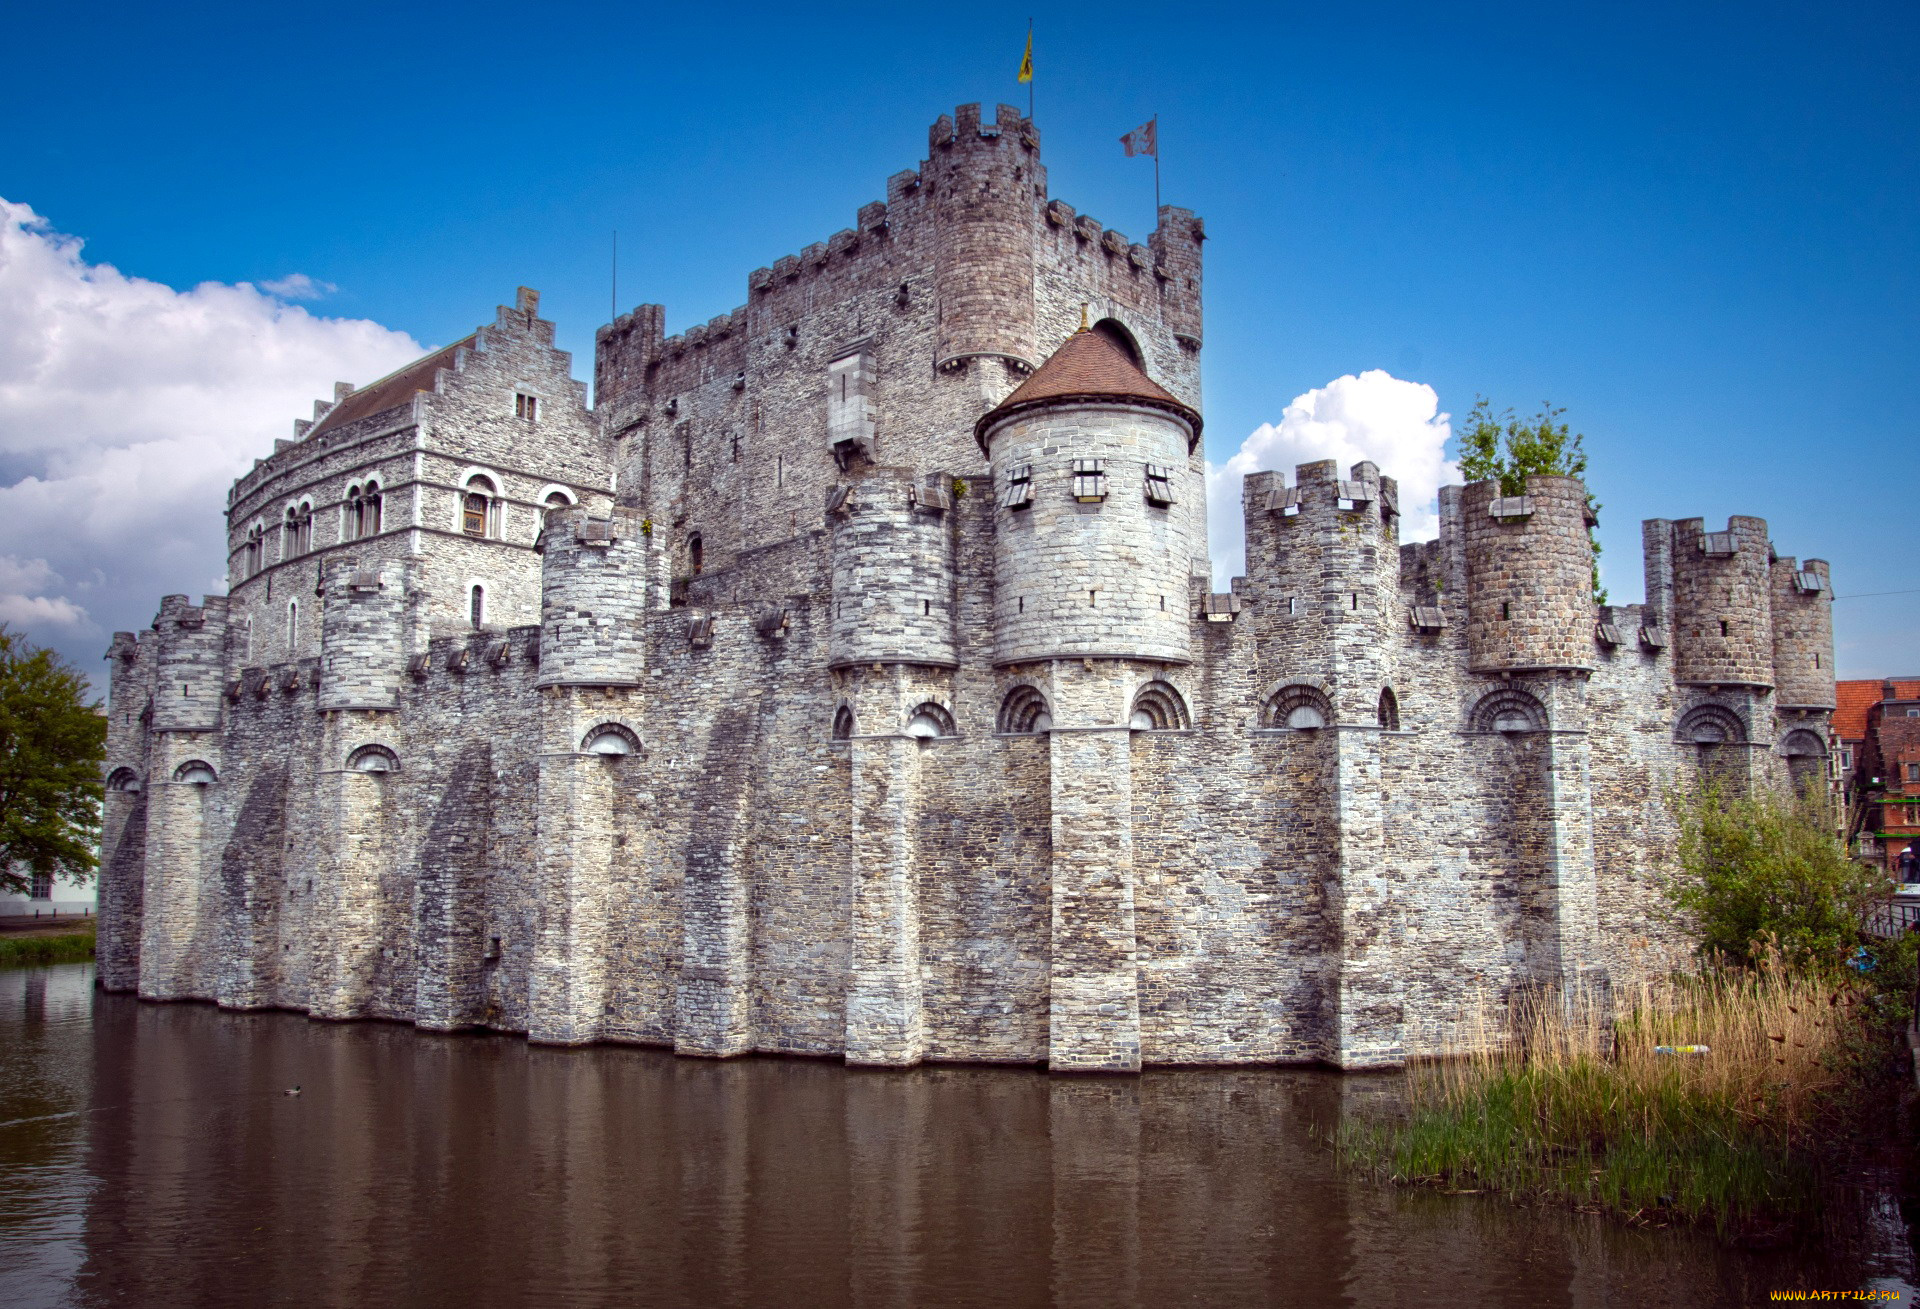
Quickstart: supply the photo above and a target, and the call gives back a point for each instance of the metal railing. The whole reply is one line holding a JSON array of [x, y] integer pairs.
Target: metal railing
[[1892, 918]]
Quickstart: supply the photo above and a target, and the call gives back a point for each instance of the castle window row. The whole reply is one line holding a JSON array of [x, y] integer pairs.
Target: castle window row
[[1089, 484], [362, 515]]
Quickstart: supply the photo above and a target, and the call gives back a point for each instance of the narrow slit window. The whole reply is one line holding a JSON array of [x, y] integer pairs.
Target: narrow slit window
[[477, 606]]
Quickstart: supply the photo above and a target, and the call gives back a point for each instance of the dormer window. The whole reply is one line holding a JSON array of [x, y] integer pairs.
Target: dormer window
[[526, 406]]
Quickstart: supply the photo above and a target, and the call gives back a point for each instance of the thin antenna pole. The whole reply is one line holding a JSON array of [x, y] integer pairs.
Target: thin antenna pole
[[613, 288], [1029, 80]]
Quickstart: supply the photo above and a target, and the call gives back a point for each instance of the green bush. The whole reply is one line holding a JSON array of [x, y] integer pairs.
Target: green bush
[[1761, 870]]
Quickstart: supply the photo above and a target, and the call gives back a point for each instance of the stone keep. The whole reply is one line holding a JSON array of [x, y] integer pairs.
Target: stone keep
[[846, 681]]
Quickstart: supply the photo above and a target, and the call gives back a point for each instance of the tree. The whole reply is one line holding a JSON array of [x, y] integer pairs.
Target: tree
[[52, 743], [1504, 447], [1765, 867]]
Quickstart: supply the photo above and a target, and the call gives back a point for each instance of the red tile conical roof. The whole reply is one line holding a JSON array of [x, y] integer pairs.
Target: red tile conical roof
[[1090, 366]]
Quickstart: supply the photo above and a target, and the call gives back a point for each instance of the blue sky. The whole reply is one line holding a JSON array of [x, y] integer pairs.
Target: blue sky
[[1694, 227]]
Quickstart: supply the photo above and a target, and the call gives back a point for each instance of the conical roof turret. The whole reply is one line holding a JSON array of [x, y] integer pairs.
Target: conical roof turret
[[1090, 366]]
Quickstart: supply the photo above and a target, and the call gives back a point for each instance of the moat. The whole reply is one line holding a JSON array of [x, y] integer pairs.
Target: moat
[[149, 1155]]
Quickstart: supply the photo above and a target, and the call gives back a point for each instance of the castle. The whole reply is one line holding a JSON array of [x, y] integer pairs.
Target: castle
[[846, 681]]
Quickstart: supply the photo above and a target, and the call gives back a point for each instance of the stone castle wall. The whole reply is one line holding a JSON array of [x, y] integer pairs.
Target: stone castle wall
[[785, 731]]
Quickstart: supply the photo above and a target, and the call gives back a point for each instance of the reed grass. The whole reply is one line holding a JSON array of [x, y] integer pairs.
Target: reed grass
[[1564, 1098], [37, 951]]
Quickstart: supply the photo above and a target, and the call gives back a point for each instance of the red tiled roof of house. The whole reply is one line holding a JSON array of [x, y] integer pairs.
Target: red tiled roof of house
[[391, 391], [1853, 698], [1090, 366]]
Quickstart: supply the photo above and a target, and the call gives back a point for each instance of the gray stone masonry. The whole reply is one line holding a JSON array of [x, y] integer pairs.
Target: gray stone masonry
[[791, 717]]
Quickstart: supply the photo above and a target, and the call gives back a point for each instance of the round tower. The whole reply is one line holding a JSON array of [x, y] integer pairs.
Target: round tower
[[1529, 576], [1096, 511], [1802, 603], [892, 566], [362, 633], [593, 598], [1722, 604], [982, 189], [191, 664]]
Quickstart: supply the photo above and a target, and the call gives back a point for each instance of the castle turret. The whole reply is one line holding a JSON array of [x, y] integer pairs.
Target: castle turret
[[363, 636], [1722, 610], [594, 589], [1802, 614], [982, 176], [1097, 513], [191, 664], [892, 570], [1176, 264], [1323, 564], [1529, 576]]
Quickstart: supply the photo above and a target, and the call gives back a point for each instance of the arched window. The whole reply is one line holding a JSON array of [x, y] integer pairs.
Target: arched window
[[1806, 756], [930, 720], [196, 772], [124, 780], [351, 515], [480, 510], [372, 503], [1711, 724], [290, 533], [1158, 708], [293, 624], [557, 499], [253, 558], [1302, 708], [611, 740], [1509, 710], [695, 552], [373, 759], [1025, 710], [1389, 709], [843, 723], [477, 606], [302, 528]]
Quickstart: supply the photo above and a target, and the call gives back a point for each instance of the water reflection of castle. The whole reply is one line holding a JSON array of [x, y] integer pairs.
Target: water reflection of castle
[[846, 681]]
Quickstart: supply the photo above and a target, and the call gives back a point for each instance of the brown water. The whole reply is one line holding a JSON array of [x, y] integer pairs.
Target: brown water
[[149, 1156]]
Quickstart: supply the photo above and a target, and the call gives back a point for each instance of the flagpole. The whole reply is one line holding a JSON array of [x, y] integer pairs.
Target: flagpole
[[1156, 170], [1029, 79]]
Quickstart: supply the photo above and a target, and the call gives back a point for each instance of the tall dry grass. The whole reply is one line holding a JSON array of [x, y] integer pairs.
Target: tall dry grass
[[1565, 1097]]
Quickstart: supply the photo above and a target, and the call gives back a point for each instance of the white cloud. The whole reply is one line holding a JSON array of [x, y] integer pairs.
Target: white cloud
[[126, 408], [1396, 424], [298, 286]]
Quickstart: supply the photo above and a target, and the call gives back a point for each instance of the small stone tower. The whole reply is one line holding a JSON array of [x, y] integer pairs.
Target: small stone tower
[[1802, 634], [1722, 604], [363, 636], [1529, 576], [983, 176], [594, 589], [892, 570]]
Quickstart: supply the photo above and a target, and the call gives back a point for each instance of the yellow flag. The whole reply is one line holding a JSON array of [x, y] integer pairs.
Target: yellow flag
[[1026, 60]]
